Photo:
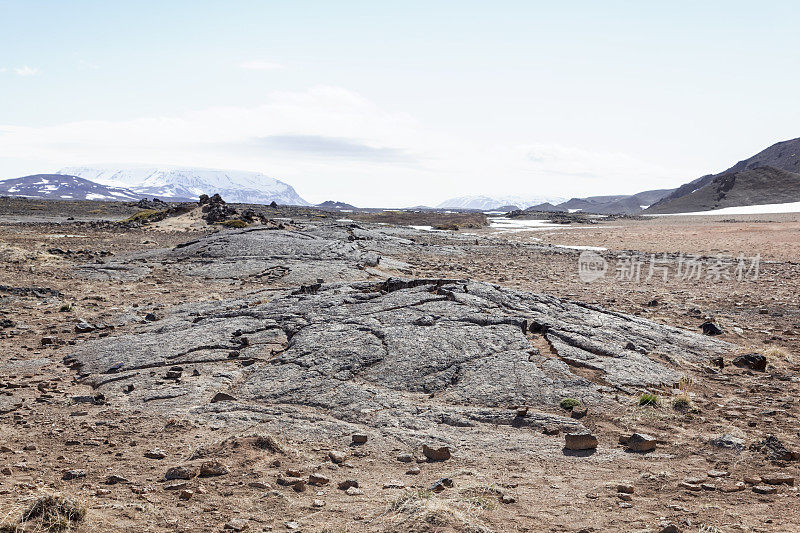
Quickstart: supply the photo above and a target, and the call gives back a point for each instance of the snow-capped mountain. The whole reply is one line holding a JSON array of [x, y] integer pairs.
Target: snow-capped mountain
[[189, 183], [487, 203], [64, 187]]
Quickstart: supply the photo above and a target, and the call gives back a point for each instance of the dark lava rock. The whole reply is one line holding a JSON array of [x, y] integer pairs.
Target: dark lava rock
[[357, 353], [180, 472], [774, 449], [6, 323], [709, 328], [73, 474], [222, 397], [753, 361]]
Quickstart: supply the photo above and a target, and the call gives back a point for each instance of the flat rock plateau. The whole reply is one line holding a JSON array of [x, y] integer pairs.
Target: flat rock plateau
[[313, 373]]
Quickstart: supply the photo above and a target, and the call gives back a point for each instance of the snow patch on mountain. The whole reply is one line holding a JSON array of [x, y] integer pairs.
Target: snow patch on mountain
[[63, 187]]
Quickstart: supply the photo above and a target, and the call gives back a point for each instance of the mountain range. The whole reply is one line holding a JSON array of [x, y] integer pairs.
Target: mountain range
[[175, 184], [489, 203]]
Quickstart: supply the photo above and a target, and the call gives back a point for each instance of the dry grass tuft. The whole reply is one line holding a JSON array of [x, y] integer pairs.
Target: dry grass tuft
[[48, 513], [425, 512]]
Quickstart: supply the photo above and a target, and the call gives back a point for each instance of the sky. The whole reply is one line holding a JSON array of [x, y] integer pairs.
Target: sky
[[399, 103]]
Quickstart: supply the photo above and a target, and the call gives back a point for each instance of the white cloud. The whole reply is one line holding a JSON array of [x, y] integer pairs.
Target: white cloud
[[260, 65], [25, 70], [3, 69], [331, 143]]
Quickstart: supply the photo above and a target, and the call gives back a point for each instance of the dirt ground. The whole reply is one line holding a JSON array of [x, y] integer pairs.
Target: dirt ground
[[50, 424]]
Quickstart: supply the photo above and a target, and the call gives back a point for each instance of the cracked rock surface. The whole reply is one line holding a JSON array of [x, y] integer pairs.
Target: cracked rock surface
[[406, 357]]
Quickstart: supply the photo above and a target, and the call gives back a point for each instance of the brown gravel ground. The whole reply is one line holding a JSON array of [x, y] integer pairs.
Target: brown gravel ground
[[43, 433]]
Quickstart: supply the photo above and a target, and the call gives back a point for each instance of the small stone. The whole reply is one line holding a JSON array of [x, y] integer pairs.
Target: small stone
[[155, 453], [347, 484], [337, 457], [752, 480], [318, 479], [779, 478], [30, 448], [436, 454], [441, 484], [641, 442], [578, 412], [735, 487], [353, 491], [507, 499], [102, 492], [690, 486], [185, 494], [359, 438], [580, 441], [413, 471], [73, 474], [708, 486], [405, 458], [237, 524], [213, 468], [551, 430], [764, 489], [180, 472], [222, 397], [522, 412], [394, 484], [670, 528], [753, 361], [624, 497], [318, 503], [6, 471], [114, 479], [717, 473], [258, 485], [627, 489], [291, 525]]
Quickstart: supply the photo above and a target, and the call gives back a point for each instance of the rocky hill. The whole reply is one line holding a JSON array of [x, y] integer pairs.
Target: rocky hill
[[776, 170]]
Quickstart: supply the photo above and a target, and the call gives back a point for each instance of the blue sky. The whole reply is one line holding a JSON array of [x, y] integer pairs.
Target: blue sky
[[400, 103]]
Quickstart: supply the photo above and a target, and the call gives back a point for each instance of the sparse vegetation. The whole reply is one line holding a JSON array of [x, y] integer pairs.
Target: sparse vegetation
[[648, 399], [47, 513], [66, 308], [569, 403], [147, 215], [683, 400], [234, 223]]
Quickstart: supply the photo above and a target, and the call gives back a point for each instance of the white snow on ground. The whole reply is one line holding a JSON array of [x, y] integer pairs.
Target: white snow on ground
[[93, 196], [511, 224], [766, 209], [580, 247]]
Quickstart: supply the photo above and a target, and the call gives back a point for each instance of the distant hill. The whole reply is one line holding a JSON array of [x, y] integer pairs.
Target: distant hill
[[188, 183], [64, 187], [607, 205], [336, 206], [778, 163]]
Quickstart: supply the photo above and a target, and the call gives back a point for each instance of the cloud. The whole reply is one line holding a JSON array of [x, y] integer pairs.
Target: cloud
[[260, 65], [25, 70], [329, 142], [334, 147]]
